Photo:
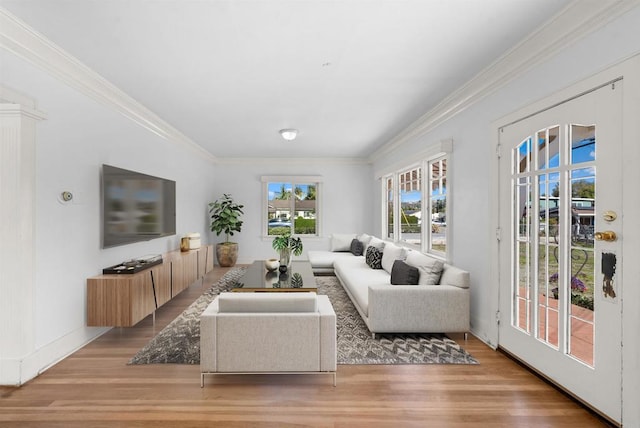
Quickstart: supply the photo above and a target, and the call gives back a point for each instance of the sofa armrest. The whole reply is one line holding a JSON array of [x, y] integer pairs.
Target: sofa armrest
[[208, 326], [328, 335], [452, 275], [422, 308]]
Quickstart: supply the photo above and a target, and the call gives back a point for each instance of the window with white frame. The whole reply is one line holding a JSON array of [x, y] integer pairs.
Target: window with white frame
[[438, 205], [389, 192], [410, 197], [291, 204], [415, 206]]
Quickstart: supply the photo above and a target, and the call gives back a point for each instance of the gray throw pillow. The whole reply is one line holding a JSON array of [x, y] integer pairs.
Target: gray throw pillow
[[403, 274], [374, 258], [430, 273], [356, 247]]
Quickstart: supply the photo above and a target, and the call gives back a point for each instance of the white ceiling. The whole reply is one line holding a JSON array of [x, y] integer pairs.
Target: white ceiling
[[350, 74]]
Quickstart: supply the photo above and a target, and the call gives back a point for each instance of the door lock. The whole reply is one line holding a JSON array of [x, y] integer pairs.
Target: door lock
[[607, 235]]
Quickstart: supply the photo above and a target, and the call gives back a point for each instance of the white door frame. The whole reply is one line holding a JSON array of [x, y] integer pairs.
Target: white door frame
[[630, 71]]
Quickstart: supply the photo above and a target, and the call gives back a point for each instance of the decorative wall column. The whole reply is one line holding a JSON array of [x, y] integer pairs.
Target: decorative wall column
[[17, 232]]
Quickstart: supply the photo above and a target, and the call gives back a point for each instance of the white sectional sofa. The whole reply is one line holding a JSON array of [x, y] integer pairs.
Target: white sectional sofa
[[438, 303], [268, 333]]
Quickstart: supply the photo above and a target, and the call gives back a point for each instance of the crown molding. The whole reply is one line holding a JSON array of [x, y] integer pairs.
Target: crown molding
[[574, 22], [17, 37], [435, 150], [296, 161]]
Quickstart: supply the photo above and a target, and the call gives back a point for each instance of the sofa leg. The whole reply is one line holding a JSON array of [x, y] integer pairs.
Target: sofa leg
[[201, 380], [466, 336], [373, 335]]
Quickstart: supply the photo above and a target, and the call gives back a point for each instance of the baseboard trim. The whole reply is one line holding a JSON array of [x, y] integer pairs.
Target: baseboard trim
[[17, 372]]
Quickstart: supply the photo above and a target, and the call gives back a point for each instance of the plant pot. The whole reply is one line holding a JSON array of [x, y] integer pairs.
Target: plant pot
[[227, 253]]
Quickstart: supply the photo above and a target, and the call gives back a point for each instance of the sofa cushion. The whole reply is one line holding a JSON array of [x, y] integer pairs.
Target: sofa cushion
[[430, 274], [341, 242], [374, 242], [374, 257], [267, 302], [324, 259], [356, 247], [364, 238], [357, 277], [416, 258], [390, 254], [404, 274], [429, 267]]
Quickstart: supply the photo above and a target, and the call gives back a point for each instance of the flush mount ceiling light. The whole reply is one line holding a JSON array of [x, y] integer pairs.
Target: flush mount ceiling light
[[289, 134]]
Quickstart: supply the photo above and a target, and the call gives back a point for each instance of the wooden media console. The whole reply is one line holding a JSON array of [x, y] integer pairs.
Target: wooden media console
[[123, 300]]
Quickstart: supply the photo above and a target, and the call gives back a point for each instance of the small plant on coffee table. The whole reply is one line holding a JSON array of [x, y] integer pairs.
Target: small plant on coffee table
[[286, 245]]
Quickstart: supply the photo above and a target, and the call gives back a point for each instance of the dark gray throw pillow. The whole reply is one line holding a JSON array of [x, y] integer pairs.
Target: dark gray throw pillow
[[374, 257], [356, 247], [404, 274]]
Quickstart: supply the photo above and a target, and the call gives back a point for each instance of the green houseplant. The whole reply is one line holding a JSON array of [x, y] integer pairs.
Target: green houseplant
[[225, 218], [286, 245]]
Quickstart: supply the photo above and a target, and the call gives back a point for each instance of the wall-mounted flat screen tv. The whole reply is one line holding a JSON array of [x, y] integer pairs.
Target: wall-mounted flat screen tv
[[136, 207]]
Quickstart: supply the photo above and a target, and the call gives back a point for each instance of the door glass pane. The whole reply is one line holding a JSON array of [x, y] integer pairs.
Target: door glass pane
[[553, 150], [583, 143], [522, 156], [541, 138], [548, 145], [581, 281], [522, 295], [547, 262]]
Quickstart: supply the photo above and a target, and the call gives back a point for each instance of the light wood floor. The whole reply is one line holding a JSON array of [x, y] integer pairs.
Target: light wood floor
[[95, 387]]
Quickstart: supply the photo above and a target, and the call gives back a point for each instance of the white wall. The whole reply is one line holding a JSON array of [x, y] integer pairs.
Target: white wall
[[72, 144], [346, 204], [471, 188]]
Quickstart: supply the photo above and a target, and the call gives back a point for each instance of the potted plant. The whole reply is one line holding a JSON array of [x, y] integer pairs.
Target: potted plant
[[286, 245], [225, 217]]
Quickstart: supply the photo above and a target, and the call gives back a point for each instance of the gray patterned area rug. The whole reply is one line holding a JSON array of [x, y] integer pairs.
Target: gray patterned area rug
[[179, 342]]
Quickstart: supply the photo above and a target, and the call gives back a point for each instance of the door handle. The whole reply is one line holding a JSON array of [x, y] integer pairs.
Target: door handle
[[607, 235]]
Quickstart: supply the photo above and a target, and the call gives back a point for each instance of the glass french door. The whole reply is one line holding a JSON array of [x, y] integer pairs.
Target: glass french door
[[560, 216]]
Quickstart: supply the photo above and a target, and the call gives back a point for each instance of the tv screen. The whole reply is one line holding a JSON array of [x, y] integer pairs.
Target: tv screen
[[136, 207]]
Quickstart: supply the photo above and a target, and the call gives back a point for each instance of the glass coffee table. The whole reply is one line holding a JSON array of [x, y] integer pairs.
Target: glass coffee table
[[299, 277]]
